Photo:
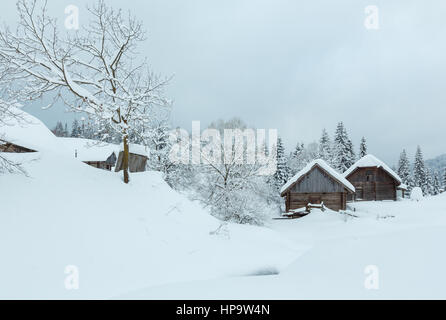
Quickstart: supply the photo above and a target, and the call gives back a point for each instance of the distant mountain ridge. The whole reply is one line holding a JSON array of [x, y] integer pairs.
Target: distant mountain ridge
[[437, 164]]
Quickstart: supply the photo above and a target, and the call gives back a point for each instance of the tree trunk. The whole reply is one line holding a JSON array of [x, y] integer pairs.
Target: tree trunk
[[125, 158]]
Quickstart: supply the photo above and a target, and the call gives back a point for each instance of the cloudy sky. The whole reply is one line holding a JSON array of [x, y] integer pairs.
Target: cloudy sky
[[298, 66]]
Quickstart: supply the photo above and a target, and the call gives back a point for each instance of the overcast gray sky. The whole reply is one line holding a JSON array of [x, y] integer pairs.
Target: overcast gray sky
[[298, 66]]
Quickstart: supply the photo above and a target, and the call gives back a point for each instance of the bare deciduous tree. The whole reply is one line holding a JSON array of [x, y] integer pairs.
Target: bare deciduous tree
[[95, 70], [228, 181]]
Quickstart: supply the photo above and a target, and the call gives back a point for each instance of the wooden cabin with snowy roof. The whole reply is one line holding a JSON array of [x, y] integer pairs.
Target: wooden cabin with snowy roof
[[137, 158], [373, 180], [24, 133], [9, 147], [315, 184]]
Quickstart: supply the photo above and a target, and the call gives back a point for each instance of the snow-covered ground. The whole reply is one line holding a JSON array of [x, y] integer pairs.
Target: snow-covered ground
[[144, 240], [401, 241], [120, 237]]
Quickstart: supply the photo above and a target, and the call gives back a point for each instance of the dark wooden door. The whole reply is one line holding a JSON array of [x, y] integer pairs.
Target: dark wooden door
[[315, 200]]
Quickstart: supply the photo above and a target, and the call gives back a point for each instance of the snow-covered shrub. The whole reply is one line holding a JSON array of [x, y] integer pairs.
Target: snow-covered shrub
[[233, 191], [237, 196], [416, 194]]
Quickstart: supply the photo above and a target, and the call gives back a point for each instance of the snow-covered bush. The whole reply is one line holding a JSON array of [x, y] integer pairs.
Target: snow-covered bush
[[233, 191], [416, 194]]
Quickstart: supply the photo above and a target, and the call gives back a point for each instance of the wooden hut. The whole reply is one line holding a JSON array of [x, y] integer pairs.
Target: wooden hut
[[317, 183], [10, 147], [107, 164], [401, 191], [373, 180], [137, 162], [24, 133]]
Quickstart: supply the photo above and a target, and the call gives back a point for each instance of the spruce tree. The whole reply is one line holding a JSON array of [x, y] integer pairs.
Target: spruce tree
[[58, 129], [297, 159], [351, 153], [325, 152], [419, 172], [362, 148], [404, 170], [444, 180], [75, 129], [343, 154], [429, 183], [65, 130], [282, 173], [298, 150], [436, 186]]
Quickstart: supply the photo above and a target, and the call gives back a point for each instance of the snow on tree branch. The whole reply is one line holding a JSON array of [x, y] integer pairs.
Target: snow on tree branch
[[96, 70]]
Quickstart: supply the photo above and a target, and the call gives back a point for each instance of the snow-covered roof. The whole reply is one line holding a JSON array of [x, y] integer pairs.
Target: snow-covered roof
[[87, 150], [29, 132], [370, 161], [137, 149], [402, 186], [26, 131], [324, 166]]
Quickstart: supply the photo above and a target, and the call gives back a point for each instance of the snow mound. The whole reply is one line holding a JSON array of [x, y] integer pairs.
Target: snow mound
[[28, 132], [85, 149], [119, 237], [416, 194]]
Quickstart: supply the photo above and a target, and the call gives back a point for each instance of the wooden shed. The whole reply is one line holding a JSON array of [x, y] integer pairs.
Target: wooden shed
[[401, 191], [137, 162], [107, 164], [373, 180], [317, 183], [9, 147]]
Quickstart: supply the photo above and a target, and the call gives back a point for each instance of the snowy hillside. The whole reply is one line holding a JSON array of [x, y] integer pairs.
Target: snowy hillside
[[120, 237], [145, 240]]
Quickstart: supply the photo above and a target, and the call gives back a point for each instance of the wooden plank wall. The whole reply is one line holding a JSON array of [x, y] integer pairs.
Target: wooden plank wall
[[13, 148], [333, 200], [137, 163], [381, 186], [317, 181]]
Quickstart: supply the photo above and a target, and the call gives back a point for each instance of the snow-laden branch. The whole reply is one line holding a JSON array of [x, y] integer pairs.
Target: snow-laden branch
[[95, 70]]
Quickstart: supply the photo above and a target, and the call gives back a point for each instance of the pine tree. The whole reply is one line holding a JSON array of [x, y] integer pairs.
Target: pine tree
[[82, 128], [298, 150], [282, 173], [404, 170], [351, 153], [325, 152], [419, 172], [343, 154], [58, 129], [65, 130], [362, 148], [89, 131], [444, 180], [297, 159], [75, 129], [436, 186], [429, 183]]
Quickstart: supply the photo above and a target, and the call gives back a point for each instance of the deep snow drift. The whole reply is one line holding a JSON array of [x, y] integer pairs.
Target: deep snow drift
[[404, 240], [120, 237]]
